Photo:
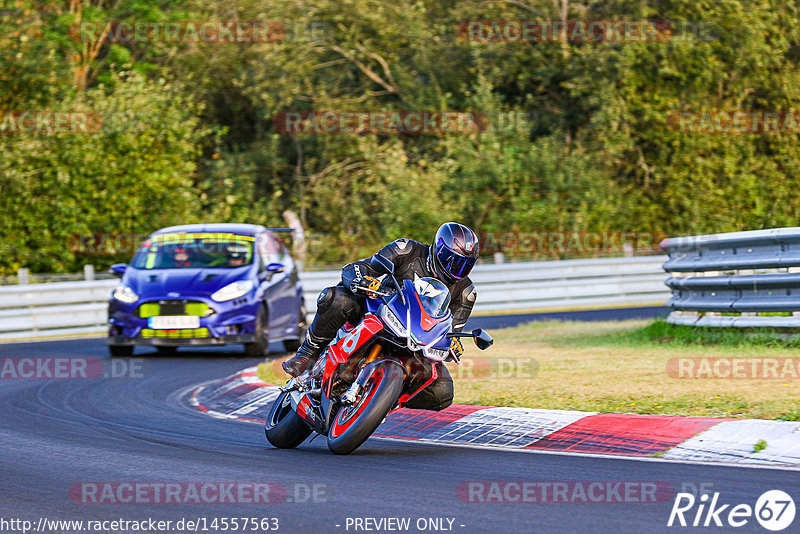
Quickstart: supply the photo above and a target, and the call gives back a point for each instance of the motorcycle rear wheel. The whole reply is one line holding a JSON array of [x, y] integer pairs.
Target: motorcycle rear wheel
[[284, 428], [355, 423]]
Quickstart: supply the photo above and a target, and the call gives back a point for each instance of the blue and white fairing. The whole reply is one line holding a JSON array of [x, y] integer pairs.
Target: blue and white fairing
[[424, 319]]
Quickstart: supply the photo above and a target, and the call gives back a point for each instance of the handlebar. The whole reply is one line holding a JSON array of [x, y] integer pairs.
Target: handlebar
[[384, 294], [365, 289]]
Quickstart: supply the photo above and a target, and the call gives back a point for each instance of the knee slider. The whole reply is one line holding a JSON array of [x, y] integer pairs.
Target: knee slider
[[441, 405], [325, 299]]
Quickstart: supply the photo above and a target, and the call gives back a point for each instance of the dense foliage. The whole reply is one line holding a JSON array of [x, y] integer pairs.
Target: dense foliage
[[579, 138]]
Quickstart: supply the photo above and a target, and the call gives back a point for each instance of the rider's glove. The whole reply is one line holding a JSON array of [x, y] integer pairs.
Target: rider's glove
[[364, 280], [456, 349], [374, 284]]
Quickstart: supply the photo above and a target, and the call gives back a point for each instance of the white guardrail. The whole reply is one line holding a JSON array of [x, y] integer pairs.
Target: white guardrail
[[66, 308], [737, 279]]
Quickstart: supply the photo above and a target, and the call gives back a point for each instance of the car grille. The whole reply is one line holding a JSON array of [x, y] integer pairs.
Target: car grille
[[174, 307], [182, 333]]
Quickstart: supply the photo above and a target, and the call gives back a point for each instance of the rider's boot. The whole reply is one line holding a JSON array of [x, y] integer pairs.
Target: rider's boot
[[306, 355], [335, 306]]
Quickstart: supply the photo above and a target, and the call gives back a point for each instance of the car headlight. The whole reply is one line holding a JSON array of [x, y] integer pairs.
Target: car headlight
[[125, 294], [232, 291], [436, 354], [394, 323]]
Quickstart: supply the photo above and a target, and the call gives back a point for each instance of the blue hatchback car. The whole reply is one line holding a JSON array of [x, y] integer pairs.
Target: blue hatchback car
[[207, 284]]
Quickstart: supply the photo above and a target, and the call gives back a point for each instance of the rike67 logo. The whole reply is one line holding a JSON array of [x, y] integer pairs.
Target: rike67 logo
[[774, 510]]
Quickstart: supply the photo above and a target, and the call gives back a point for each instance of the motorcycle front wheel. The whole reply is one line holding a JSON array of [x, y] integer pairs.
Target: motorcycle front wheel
[[284, 428], [356, 422]]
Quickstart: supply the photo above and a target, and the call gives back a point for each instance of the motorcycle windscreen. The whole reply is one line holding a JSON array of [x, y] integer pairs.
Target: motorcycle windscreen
[[433, 295], [423, 327]]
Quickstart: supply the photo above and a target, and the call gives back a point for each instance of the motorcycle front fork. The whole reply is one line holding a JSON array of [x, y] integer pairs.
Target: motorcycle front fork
[[351, 395]]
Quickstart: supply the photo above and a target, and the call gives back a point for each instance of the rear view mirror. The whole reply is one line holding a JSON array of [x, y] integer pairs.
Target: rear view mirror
[[118, 269], [381, 264], [275, 268], [482, 339]]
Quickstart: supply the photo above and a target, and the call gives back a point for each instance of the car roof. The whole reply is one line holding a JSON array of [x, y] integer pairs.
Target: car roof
[[242, 229]]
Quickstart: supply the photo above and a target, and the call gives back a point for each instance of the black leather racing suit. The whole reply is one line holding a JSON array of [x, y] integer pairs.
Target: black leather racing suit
[[337, 305]]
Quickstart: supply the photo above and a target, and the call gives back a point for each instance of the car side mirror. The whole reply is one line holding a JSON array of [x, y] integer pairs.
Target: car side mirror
[[482, 339], [276, 268], [118, 269], [381, 264]]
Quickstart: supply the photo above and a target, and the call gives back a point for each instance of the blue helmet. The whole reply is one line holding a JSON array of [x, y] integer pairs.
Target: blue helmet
[[454, 251]]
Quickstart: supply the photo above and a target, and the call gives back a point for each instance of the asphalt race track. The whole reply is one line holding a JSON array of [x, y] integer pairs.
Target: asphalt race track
[[57, 433]]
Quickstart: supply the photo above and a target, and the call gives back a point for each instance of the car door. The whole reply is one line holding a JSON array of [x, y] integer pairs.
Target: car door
[[280, 287]]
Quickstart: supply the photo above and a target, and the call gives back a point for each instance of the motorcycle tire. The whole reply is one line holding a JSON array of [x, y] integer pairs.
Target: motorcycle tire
[[355, 423], [284, 428]]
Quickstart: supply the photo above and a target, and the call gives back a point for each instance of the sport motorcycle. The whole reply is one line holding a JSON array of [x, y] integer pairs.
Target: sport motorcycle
[[372, 368]]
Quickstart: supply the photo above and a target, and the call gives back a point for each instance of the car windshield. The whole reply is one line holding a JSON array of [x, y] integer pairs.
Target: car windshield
[[194, 251], [433, 295]]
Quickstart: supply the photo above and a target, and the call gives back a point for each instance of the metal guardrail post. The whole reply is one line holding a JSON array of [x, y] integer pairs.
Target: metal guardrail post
[[22, 276], [627, 248]]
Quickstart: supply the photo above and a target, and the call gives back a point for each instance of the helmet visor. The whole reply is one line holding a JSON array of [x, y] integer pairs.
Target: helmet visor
[[455, 264]]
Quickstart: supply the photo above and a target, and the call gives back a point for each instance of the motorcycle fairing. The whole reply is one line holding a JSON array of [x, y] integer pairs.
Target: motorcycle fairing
[[339, 352], [309, 410], [424, 329]]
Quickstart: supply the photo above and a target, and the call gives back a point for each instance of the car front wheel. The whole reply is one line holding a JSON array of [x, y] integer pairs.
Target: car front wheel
[[291, 345], [259, 348]]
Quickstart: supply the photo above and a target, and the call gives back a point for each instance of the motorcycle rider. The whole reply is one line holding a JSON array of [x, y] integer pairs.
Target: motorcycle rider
[[449, 258]]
